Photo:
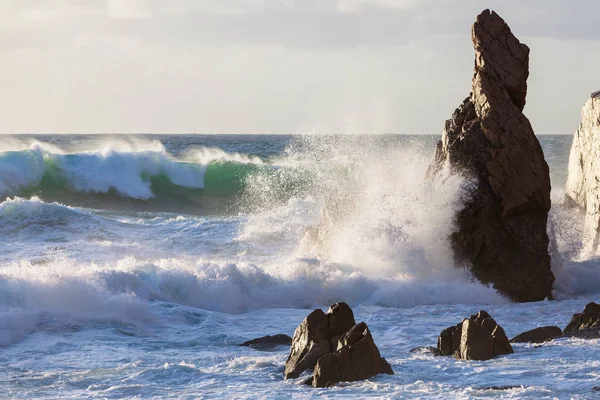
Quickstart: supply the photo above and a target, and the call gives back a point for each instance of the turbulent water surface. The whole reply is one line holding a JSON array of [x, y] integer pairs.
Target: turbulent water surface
[[131, 266]]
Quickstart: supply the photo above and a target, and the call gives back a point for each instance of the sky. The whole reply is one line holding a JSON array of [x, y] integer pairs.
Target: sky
[[277, 66]]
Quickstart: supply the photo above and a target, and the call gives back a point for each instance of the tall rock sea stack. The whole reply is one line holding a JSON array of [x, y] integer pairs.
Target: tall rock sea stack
[[583, 183], [501, 231]]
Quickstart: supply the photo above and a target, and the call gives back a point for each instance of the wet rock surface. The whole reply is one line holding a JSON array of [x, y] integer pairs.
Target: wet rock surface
[[501, 229], [335, 348], [356, 358], [588, 319], [269, 342], [477, 338], [538, 335], [316, 336]]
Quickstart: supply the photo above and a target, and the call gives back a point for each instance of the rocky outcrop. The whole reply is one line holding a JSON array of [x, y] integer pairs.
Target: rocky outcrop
[[477, 338], [335, 348], [501, 229], [583, 182], [268, 343], [538, 335], [316, 336], [589, 318], [356, 358]]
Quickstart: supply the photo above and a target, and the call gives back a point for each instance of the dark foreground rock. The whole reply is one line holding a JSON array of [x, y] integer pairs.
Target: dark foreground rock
[[538, 335], [477, 338], [268, 343], [316, 336], [501, 230], [589, 318], [335, 348], [356, 358]]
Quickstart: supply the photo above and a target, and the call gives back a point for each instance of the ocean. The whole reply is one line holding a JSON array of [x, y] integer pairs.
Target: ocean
[[131, 266]]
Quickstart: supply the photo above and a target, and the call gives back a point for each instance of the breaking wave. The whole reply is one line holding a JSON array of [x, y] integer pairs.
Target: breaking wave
[[140, 180]]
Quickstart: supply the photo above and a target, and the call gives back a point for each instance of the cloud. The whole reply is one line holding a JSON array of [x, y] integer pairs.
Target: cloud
[[356, 6], [274, 65], [128, 9], [304, 24]]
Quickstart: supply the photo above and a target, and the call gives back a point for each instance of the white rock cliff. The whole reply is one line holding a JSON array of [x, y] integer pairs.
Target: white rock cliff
[[583, 182]]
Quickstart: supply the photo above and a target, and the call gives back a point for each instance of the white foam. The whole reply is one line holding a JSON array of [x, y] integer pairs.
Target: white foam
[[59, 292], [62, 290]]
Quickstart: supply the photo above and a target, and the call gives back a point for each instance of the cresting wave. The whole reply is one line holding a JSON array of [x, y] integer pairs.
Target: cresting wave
[[112, 178]]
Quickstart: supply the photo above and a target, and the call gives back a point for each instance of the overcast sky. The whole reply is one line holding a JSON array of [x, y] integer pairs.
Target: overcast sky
[[277, 66]]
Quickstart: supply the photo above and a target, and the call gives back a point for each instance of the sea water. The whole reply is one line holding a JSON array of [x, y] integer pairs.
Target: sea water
[[131, 266]]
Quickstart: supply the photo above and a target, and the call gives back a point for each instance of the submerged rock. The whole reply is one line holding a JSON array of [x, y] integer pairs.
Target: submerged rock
[[268, 343], [583, 181], [589, 318], [538, 335], [477, 338], [425, 350], [503, 387], [501, 229], [335, 347]]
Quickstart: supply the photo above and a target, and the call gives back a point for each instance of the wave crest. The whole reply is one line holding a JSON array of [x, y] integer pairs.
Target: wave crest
[[112, 178]]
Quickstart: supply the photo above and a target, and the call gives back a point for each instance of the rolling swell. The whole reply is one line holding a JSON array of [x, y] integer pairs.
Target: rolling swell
[[140, 181]]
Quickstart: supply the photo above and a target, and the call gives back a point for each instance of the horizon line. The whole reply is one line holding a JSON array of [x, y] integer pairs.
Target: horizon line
[[240, 134]]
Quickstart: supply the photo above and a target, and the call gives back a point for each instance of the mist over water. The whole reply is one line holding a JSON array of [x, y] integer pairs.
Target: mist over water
[[141, 233]]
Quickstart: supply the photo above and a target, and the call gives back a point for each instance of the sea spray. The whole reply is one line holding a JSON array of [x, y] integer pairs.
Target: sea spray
[[366, 204]]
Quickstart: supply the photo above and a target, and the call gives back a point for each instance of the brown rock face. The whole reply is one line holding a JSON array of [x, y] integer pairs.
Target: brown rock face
[[356, 358], [501, 231], [477, 338], [589, 318], [268, 343], [538, 335], [338, 349], [316, 336]]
